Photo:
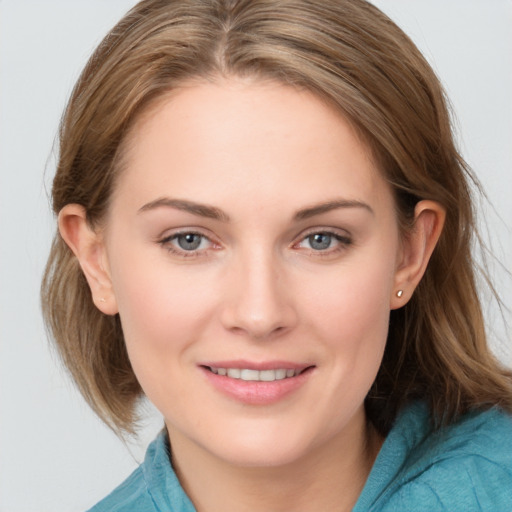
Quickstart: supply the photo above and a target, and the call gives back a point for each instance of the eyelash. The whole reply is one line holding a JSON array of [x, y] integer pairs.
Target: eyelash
[[169, 247], [343, 242]]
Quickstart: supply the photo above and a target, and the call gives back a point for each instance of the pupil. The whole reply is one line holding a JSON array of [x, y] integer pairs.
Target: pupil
[[320, 241], [189, 242]]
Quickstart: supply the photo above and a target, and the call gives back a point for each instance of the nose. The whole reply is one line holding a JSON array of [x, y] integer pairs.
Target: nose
[[258, 301]]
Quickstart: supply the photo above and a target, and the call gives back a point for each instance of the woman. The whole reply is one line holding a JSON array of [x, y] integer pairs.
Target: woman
[[265, 228]]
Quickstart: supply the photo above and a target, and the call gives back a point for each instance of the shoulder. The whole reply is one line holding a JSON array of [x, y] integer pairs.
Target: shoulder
[[152, 487], [465, 466], [129, 496]]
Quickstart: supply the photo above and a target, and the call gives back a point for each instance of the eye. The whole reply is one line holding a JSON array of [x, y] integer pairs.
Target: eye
[[187, 243], [320, 241], [324, 242]]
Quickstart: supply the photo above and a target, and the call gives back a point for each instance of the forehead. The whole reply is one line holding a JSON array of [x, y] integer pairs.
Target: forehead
[[235, 135]]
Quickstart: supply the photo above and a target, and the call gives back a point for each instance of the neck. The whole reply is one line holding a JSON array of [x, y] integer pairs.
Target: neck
[[330, 477]]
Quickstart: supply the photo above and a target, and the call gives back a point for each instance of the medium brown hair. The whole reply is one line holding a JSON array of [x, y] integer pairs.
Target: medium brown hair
[[346, 52]]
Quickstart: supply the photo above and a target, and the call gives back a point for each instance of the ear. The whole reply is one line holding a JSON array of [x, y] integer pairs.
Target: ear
[[88, 247], [417, 247]]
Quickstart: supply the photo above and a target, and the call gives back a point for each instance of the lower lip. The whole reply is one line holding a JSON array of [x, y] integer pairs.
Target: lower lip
[[257, 392]]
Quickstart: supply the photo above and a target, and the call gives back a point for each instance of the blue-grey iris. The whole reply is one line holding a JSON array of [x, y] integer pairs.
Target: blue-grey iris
[[189, 241], [320, 241]]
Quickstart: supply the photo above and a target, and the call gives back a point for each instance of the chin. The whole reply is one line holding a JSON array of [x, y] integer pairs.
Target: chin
[[256, 456], [265, 446]]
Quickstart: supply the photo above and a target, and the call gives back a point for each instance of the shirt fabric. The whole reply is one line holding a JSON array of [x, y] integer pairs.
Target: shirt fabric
[[463, 467]]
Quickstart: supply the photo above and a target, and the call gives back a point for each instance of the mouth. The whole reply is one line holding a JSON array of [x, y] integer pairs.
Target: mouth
[[249, 374], [257, 383]]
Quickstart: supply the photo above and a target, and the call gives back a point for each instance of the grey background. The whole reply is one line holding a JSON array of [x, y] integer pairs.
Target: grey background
[[54, 454]]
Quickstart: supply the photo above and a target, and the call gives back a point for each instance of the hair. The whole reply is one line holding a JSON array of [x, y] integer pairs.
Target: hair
[[349, 54]]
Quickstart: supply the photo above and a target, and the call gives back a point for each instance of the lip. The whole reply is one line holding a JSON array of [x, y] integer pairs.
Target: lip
[[252, 365], [256, 392]]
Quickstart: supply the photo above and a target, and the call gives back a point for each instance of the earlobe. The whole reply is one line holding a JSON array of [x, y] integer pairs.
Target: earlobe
[[418, 246], [88, 247]]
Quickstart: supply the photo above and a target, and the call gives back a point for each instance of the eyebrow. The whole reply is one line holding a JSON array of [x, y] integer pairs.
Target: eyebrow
[[203, 210], [325, 207], [211, 212]]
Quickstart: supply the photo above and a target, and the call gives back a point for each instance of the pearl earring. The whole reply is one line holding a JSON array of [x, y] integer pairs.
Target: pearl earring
[[399, 293], [102, 299]]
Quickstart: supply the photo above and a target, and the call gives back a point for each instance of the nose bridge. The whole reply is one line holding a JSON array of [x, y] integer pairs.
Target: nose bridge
[[260, 304]]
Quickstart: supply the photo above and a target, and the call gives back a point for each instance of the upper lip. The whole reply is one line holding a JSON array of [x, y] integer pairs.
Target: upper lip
[[253, 365]]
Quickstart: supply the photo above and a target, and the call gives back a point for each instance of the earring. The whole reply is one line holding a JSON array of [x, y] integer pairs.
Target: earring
[[102, 299], [399, 293]]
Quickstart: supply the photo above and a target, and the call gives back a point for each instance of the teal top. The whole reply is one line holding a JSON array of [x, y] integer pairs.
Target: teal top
[[463, 467]]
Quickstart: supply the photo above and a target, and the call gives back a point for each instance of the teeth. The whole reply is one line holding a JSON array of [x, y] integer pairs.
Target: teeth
[[256, 375], [249, 374], [268, 375], [234, 373]]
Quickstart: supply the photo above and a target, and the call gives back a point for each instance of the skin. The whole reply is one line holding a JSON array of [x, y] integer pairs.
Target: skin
[[258, 287]]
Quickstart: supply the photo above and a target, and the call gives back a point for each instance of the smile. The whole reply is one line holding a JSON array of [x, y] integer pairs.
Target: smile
[[257, 383], [248, 374]]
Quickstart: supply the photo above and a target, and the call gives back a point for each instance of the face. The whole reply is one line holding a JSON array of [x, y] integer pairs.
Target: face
[[252, 247]]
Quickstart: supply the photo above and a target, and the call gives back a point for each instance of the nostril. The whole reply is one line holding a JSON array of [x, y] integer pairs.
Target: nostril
[[257, 313]]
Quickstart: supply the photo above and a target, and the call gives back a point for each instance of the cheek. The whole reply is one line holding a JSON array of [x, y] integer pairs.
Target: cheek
[[355, 299], [161, 308], [163, 314], [352, 318]]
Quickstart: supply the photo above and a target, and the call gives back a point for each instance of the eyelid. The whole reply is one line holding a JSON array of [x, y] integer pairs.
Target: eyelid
[[165, 240], [344, 238], [184, 230], [337, 232]]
